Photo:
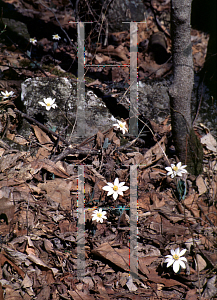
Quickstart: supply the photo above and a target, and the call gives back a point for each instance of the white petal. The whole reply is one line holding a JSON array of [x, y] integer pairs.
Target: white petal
[[179, 173], [42, 103], [169, 263], [172, 252], [116, 182], [120, 192], [182, 252], [123, 188], [121, 184], [182, 264], [170, 172], [110, 184], [115, 195], [176, 266], [46, 100], [179, 164], [169, 257], [107, 188], [48, 107], [183, 259], [111, 192], [169, 169], [123, 130], [52, 102], [177, 251]]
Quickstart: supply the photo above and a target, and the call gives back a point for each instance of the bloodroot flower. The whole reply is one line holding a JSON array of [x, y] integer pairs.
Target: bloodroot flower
[[48, 103], [176, 170], [176, 260], [7, 94], [99, 215], [56, 37], [33, 41], [122, 126], [115, 189]]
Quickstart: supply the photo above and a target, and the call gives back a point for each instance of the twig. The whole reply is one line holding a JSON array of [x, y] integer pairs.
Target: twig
[[48, 8], [42, 126], [199, 105], [37, 66], [205, 215], [155, 11], [69, 150], [131, 143]]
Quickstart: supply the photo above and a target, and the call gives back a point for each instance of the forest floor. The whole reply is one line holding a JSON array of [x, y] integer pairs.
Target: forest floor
[[39, 189]]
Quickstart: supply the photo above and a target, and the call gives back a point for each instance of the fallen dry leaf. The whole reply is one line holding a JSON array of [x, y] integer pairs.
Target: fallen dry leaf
[[50, 166], [209, 141], [201, 185]]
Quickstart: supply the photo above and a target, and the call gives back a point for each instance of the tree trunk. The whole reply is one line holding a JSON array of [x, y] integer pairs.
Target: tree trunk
[[186, 143]]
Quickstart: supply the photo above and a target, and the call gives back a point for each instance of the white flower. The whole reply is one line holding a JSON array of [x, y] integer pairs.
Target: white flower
[[48, 102], [115, 189], [176, 260], [56, 37], [121, 126], [33, 41], [176, 170], [7, 94], [99, 215]]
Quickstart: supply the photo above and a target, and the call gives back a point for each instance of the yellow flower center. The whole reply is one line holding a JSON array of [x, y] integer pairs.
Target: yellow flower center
[[176, 256], [115, 188], [99, 215], [175, 169], [48, 104], [122, 125]]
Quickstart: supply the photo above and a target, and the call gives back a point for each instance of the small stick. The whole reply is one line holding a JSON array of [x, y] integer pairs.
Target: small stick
[[41, 126]]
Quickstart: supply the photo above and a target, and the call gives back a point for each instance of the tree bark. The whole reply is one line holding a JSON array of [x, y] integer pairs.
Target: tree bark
[[180, 90], [185, 140]]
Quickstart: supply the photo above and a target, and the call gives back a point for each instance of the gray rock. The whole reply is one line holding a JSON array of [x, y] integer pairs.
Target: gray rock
[[17, 27], [118, 12], [153, 99], [96, 115], [154, 102]]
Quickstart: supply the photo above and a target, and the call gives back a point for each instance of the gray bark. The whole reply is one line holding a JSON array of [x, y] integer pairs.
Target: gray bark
[[188, 147], [180, 90]]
